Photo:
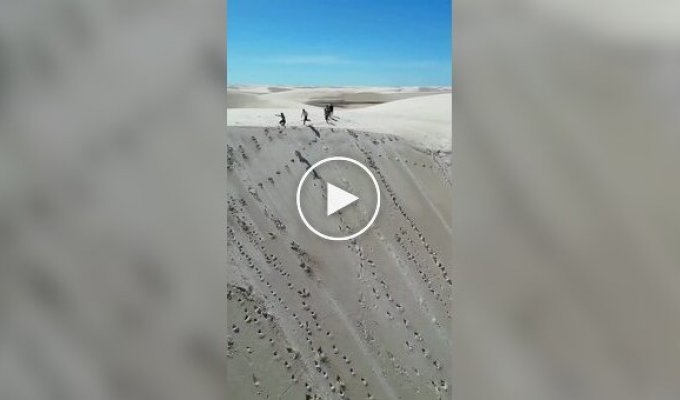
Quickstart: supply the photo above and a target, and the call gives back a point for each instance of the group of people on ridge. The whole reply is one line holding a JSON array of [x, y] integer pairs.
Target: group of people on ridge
[[327, 112]]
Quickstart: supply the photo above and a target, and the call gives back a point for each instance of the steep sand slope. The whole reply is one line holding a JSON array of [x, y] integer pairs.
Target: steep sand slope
[[362, 319]]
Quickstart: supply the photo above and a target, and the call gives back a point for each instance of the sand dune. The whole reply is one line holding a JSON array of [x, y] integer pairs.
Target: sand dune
[[424, 121], [350, 97], [422, 118], [257, 89], [363, 319], [435, 107], [253, 100]]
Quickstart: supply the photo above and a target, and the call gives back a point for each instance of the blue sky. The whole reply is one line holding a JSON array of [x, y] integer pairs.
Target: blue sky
[[339, 43]]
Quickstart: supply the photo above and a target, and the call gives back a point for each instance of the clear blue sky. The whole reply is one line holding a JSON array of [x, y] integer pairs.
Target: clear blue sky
[[339, 43]]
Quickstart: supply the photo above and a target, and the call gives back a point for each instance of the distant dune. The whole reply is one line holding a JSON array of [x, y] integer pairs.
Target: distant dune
[[253, 100], [425, 121], [350, 97]]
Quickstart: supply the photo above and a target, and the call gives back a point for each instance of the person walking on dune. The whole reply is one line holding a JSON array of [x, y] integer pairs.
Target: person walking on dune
[[326, 113], [282, 123], [305, 117]]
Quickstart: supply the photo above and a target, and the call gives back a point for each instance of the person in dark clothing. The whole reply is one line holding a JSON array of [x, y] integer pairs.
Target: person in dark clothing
[[305, 117], [283, 120], [326, 113], [330, 111]]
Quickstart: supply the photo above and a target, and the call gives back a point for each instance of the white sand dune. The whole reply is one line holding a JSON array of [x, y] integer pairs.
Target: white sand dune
[[365, 319], [433, 107], [257, 89], [425, 121], [421, 117], [369, 318], [252, 100], [351, 97]]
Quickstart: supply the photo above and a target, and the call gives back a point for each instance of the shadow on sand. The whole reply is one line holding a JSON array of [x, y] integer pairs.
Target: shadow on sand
[[316, 131]]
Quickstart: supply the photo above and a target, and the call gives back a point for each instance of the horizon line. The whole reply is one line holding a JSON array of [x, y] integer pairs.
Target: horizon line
[[336, 86]]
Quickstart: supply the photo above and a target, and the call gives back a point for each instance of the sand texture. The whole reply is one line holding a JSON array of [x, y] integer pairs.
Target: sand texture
[[313, 319]]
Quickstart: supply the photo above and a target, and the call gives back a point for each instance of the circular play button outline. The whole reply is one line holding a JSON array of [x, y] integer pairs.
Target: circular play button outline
[[318, 164]]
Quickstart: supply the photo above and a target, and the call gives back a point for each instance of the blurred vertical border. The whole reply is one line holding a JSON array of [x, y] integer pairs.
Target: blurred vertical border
[[112, 178], [566, 203]]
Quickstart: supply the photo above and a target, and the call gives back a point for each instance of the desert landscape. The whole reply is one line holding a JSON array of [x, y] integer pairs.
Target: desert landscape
[[367, 318], [421, 115]]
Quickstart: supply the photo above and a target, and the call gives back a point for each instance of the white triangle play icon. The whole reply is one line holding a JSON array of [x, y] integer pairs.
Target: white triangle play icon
[[337, 199]]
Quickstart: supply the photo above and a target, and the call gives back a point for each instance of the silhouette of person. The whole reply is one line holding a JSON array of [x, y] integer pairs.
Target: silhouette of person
[[305, 116], [283, 120]]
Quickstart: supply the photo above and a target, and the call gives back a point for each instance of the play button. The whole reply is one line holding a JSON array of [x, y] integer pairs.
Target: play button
[[334, 184], [337, 199]]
